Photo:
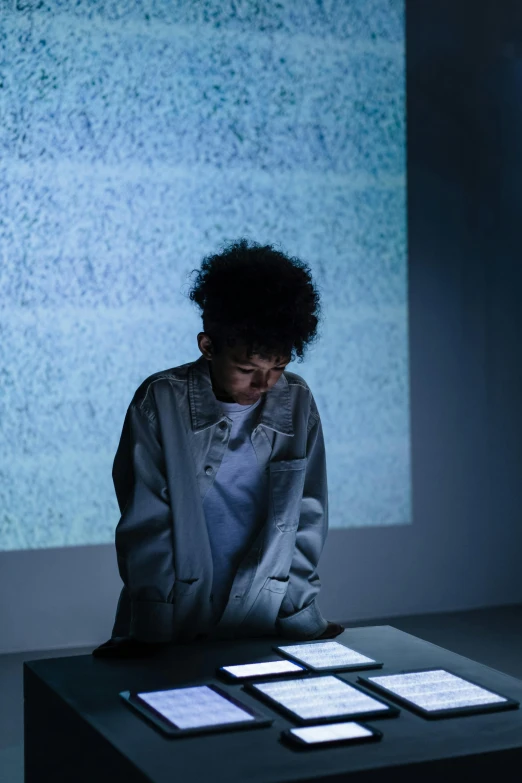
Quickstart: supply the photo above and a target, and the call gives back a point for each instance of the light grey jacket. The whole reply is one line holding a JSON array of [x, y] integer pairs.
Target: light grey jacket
[[173, 440]]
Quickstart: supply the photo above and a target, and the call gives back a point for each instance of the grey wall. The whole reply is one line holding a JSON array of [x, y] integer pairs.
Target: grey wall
[[463, 549]]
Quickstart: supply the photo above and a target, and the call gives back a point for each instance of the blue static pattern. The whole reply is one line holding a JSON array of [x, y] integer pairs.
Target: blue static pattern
[[136, 137]]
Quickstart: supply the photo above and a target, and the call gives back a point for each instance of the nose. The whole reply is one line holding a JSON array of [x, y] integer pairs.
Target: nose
[[261, 386]]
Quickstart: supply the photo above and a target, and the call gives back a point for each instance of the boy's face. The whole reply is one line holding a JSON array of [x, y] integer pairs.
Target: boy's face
[[238, 379]]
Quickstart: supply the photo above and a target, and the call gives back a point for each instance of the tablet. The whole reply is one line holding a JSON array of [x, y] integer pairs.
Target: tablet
[[438, 693], [244, 671], [194, 710], [331, 656], [331, 734], [320, 699]]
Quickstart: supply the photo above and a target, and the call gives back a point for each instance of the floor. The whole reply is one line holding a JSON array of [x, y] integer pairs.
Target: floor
[[491, 636]]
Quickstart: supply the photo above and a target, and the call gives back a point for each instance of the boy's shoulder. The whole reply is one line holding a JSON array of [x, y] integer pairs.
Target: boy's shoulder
[[141, 398], [179, 374], [295, 380]]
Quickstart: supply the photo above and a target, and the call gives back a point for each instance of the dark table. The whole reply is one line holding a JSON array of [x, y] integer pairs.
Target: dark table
[[77, 727]]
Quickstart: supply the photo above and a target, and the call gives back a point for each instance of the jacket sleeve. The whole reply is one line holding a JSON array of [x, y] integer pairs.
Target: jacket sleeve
[[144, 535], [299, 616]]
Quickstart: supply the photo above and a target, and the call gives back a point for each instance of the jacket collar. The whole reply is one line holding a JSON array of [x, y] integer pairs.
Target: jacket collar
[[276, 411]]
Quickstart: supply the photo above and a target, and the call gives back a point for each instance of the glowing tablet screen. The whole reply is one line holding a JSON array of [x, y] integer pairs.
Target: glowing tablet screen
[[325, 655], [332, 732], [437, 690], [263, 669], [320, 697], [189, 708]]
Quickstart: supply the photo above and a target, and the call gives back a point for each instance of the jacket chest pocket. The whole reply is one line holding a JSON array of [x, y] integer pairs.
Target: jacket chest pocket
[[287, 479]]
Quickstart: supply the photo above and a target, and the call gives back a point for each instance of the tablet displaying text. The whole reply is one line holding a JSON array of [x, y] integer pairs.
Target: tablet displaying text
[[320, 656], [438, 692], [188, 708], [194, 709], [320, 699]]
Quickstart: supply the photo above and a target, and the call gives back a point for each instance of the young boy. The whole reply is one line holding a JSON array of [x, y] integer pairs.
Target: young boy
[[220, 473]]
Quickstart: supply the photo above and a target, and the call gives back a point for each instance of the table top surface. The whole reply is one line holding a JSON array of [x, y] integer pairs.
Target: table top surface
[[92, 686]]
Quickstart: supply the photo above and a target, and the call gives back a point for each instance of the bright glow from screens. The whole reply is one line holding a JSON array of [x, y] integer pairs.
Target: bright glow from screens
[[261, 669], [437, 690], [189, 708], [320, 697], [336, 731], [324, 655]]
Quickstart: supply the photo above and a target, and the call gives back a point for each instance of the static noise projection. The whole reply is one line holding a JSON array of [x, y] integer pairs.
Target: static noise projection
[[139, 137]]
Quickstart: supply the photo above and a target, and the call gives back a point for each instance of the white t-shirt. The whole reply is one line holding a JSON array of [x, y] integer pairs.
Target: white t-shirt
[[236, 505]]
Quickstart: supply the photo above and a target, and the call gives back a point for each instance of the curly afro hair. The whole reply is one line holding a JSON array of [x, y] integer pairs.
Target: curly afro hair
[[256, 295]]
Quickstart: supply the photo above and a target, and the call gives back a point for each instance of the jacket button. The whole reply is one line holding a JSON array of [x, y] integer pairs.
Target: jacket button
[[222, 425], [209, 470]]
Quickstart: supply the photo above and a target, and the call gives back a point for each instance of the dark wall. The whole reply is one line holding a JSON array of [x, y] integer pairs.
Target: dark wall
[[464, 104]]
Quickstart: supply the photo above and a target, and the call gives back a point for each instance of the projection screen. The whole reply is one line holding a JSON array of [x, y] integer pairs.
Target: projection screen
[[137, 137]]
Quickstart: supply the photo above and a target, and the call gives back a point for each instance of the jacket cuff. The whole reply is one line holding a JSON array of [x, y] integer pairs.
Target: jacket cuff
[[308, 623], [151, 621]]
